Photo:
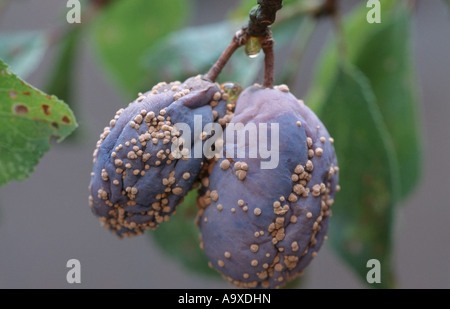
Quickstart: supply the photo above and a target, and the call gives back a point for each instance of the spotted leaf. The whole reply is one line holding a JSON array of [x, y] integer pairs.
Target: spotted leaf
[[29, 120]]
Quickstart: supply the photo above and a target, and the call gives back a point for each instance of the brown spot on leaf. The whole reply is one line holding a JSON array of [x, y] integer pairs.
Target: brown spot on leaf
[[46, 109], [55, 125], [26, 93], [66, 119], [20, 109], [13, 94], [48, 96]]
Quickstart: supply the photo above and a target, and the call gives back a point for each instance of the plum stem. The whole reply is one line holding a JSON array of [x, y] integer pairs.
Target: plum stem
[[239, 39], [269, 60]]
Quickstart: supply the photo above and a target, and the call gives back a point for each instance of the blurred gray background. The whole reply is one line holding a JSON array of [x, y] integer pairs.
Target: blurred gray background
[[45, 220]]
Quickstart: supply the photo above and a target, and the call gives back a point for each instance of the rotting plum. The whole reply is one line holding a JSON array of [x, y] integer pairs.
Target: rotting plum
[[137, 181], [262, 227]]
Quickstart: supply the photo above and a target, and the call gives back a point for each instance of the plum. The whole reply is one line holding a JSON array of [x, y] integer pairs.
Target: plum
[[261, 227], [139, 177]]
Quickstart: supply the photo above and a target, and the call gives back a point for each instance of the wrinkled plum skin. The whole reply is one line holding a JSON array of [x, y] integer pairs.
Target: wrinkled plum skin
[[285, 242], [147, 202]]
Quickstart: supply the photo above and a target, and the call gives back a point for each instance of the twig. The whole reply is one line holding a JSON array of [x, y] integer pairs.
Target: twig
[[261, 17]]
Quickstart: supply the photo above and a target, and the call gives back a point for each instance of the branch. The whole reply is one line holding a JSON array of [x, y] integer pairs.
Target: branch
[[261, 17]]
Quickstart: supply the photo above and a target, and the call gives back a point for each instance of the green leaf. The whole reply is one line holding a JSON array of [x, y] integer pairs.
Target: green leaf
[[361, 224], [62, 75], [180, 238], [126, 29], [383, 53], [29, 119], [23, 50], [386, 59]]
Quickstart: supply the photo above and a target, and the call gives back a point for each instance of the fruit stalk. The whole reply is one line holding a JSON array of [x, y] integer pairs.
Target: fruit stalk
[[239, 39], [269, 59]]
